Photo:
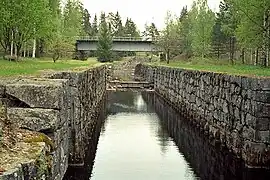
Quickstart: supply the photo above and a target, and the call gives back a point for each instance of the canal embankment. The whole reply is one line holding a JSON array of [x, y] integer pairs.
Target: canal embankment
[[64, 107], [234, 110]]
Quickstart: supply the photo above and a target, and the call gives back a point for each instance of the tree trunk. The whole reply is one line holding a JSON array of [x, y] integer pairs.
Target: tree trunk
[[218, 51], [15, 50], [243, 56], [257, 57], [12, 44], [168, 57], [268, 39], [24, 50], [34, 48], [265, 33], [251, 56]]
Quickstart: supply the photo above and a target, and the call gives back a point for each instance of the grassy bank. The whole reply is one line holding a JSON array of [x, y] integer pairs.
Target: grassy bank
[[35, 66], [220, 66]]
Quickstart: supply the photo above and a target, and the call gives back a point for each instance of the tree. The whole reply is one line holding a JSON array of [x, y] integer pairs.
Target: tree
[[95, 26], [202, 19], [227, 17], [169, 40], [130, 29], [184, 29], [104, 41], [151, 31], [253, 28], [115, 21], [219, 38], [86, 23], [22, 21], [73, 20], [183, 14]]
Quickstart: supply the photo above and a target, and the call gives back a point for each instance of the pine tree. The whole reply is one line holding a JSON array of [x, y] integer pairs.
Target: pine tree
[[151, 31], [94, 31], [86, 22], [130, 29], [104, 52], [118, 26]]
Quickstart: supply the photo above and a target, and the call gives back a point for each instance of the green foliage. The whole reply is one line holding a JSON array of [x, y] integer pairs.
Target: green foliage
[[23, 20], [151, 31], [115, 22], [227, 17], [72, 20], [130, 29], [104, 52], [169, 40], [86, 23], [95, 27], [60, 48], [202, 20]]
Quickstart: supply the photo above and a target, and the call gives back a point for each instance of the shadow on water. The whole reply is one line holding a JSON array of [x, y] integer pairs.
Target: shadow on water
[[208, 162]]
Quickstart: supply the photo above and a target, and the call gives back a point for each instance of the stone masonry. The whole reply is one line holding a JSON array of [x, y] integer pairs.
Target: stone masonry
[[61, 105], [234, 110]]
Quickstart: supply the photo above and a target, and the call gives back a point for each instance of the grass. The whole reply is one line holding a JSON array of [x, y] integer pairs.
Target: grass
[[35, 66], [220, 66]]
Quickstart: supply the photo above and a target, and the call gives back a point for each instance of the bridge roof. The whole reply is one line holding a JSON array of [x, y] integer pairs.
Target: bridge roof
[[116, 39]]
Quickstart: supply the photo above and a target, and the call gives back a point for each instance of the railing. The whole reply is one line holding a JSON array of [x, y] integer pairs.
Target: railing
[[95, 38]]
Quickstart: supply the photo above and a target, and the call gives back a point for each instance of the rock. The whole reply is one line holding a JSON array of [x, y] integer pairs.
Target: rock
[[262, 136], [39, 93], [35, 119], [262, 124], [248, 133]]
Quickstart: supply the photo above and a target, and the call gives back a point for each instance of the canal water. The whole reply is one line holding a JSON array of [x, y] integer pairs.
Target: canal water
[[143, 138]]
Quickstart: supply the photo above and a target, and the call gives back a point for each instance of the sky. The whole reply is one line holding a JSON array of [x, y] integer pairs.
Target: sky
[[142, 11]]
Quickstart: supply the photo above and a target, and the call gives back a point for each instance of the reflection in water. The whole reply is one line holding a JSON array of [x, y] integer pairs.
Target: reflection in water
[[208, 161], [135, 146], [145, 141]]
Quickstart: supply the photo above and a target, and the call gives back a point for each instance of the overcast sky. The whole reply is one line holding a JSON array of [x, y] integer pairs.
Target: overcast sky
[[142, 11]]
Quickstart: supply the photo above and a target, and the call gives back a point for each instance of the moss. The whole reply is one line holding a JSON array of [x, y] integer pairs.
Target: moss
[[40, 137], [43, 166]]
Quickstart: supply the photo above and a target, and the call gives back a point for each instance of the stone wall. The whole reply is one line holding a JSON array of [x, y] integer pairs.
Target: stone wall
[[208, 159], [61, 105], [87, 90], [234, 110]]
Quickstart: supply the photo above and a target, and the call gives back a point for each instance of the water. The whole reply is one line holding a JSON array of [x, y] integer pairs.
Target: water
[[135, 146], [143, 138]]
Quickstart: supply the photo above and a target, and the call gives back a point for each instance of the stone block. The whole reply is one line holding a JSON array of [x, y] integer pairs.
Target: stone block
[[262, 136], [261, 96], [262, 110], [35, 119], [255, 153], [262, 124], [248, 133], [2, 90], [260, 84], [39, 93], [250, 120]]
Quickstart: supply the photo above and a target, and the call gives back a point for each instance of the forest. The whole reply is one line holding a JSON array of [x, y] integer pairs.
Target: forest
[[238, 32], [37, 28]]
